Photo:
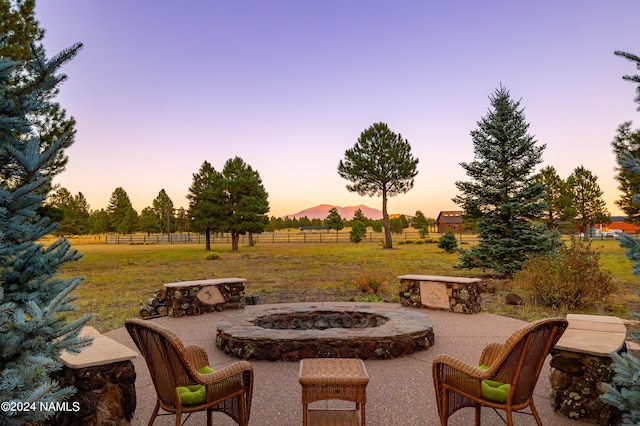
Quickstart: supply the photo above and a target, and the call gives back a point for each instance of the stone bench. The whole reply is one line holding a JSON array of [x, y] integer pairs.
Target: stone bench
[[201, 296], [456, 294], [581, 362], [104, 377]]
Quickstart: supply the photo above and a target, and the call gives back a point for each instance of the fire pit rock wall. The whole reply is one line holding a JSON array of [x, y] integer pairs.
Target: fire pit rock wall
[[291, 334]]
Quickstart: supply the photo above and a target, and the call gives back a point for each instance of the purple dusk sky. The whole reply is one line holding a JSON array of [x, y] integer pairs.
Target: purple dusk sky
[[288, 86]]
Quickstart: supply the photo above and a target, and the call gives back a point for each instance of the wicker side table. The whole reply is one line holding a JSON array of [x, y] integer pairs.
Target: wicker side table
[[343, 379]]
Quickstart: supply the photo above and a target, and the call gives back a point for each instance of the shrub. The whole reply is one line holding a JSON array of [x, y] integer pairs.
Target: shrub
[[213, 256], [448, 242], [568, 279], [369, 284], [424, 232], [358, 231]]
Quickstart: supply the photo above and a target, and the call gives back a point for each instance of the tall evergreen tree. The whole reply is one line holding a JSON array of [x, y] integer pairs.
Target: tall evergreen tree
[[358, 216], [163, 208], [503, 193], [34, 301], [557, 197], [627, 141], [98, 222], [122, 216], [75, 209], [334, 220], [206, 204], [148, 221], [626, 396], [22, 38], [181, 220], [419, 220], [586, 198], [380, 164], [633, 78], [246, 200]]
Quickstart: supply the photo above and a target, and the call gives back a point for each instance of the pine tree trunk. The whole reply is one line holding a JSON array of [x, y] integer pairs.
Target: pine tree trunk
[[388, 242], [251, 242], [235, 238], [207, 235]]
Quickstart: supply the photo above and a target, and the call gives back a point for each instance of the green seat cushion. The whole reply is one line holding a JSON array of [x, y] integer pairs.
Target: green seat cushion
[[195, 394], [494, 391]]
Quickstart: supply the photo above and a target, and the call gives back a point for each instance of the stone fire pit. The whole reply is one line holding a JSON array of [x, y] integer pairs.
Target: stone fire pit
[[310, 331]]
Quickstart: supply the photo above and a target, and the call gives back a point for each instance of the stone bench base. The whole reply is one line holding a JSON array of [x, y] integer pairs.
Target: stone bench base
[[580, 364], [455, 294], [104, 377], [202, 296]]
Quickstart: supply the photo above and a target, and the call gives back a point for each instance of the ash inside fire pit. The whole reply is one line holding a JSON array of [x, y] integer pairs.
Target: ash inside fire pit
[[320, 320]]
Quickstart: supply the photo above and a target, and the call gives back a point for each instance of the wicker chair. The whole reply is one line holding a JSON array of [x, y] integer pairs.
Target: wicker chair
[[517, 363], [171, 364]]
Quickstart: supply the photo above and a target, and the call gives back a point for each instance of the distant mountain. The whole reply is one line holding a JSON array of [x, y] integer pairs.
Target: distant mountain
[[322, 211]]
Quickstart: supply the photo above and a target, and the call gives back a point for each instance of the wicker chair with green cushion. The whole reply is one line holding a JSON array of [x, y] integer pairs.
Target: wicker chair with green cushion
[[506, 376], [183, 380]]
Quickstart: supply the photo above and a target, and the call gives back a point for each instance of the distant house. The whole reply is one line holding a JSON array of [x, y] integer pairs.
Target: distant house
[[629, 228], [449, 220]]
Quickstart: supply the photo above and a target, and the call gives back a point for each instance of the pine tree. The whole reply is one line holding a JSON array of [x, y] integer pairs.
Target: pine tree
[[557, 197], [358, 216], [206, 202], [33, 299], [246, 201], [75, 209], [148, 221], [163, 208], [380, 164], [334, 220], [122, 216], [421, 223], [626, 366], [22, 36], [627, 141], [98, 222], [503, 193], [448, 242], [358, 231], [586, 198]]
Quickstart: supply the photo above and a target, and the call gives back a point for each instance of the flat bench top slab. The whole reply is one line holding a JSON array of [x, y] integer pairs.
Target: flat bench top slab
[[215, 281], [458, 280], [102, 351], [593, 334]]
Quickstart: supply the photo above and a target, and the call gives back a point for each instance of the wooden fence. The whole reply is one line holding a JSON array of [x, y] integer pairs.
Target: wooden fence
[[268, 238]]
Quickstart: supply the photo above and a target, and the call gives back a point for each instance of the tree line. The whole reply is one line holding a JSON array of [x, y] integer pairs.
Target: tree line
[[75, 217]]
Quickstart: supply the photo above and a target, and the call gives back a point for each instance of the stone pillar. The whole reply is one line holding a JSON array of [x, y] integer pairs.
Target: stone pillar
[[576, 385], [106, 395], [581, 364], [104, 377]]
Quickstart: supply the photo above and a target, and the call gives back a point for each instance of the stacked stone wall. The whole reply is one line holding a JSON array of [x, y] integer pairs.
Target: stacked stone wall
[[181, 301], [106, 395], [576, 385], [463, 298]]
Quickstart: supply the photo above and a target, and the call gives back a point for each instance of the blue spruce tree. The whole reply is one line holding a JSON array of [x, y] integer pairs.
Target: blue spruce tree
[[626, 366], [34, 301]]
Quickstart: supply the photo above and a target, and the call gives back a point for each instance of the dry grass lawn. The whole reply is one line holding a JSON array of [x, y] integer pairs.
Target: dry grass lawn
[[119, 278]]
